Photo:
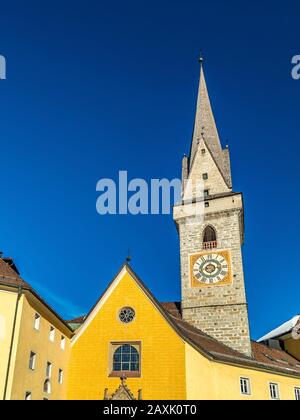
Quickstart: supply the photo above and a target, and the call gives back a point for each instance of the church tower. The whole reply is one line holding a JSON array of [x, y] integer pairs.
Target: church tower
[[212, 279]]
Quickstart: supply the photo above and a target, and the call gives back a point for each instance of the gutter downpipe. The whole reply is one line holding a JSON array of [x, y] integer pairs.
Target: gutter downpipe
[[12, 342]]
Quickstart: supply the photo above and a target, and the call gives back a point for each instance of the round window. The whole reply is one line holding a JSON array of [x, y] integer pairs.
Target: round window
[[126, 315]]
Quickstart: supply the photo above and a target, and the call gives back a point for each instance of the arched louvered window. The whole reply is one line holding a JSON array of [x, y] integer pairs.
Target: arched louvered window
[[209, 238]]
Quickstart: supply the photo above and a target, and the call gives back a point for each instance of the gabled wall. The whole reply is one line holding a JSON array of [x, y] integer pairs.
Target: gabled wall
[[162, 350]]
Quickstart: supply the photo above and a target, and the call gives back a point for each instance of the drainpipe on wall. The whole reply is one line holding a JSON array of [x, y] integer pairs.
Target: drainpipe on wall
[[12, 342]]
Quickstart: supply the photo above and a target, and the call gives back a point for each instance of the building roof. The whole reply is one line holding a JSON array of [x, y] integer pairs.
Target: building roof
[[282, 330], [9, 277], [263, 357]]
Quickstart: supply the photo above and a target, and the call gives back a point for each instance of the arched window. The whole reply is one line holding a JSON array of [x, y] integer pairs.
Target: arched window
[[126, 359], [209, 238], [47, 386]]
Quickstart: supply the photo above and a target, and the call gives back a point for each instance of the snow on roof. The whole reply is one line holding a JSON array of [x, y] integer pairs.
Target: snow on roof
[[283, 329]]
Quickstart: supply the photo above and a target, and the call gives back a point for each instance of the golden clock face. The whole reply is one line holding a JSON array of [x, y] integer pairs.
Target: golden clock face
[[210, 268]]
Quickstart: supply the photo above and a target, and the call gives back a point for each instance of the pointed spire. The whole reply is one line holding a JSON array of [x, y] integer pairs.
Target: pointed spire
[[205, 126]]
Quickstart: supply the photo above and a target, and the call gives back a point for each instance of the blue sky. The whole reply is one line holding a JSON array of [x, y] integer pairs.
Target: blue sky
[[101, 86]]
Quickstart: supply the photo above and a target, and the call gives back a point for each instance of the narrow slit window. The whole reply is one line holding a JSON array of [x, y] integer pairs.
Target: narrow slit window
[[52, 334], [28, 396], [48, 370], [47, 386], [62, 342], [37, 322], [60, 376], [32, 360]]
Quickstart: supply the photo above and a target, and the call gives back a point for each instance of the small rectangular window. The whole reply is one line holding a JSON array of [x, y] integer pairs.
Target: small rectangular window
[[274, 391], [203, 151], [63, 342], [28, 396], [206, 193], [52, 334], [245, 386], [205, 176], [48, 370], [297, 394], [206, 204], [60, 376], [32, 360], [37, 322]]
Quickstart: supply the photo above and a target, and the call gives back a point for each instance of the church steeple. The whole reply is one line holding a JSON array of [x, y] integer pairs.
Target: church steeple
[[213, 296], [205, 128]]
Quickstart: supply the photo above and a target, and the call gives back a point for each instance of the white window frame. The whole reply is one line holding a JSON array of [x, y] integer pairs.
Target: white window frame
[[28, 396], [32, 360], [63, 342], [273, 386], [60, 376], [48, 370], [37, 321], [52, 334], [297, 393], [245, 386]]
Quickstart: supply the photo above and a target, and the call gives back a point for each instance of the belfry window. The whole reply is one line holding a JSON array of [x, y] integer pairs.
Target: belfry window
[[125, 359], [209, 238]]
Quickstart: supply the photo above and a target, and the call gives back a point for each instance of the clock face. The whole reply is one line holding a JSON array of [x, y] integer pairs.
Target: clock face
[[208, 269]]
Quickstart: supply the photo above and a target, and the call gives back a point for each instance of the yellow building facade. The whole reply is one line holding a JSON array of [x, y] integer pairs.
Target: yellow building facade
[[130, 345], [34, 342]]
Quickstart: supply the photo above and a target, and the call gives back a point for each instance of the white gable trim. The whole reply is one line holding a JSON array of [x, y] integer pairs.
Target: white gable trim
[[105, 297], [99, 305]]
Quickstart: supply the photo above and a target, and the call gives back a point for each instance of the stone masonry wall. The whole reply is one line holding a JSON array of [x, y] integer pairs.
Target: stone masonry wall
[[219, 311]]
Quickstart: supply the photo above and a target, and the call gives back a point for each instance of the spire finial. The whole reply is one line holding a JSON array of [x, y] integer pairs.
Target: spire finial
[[201, 59], [128, 258]]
